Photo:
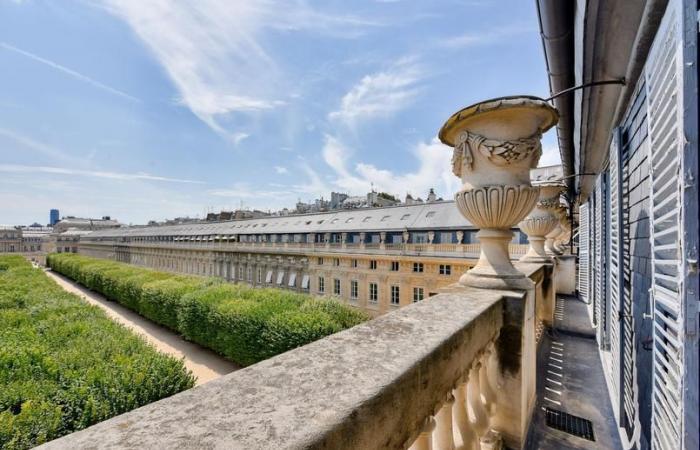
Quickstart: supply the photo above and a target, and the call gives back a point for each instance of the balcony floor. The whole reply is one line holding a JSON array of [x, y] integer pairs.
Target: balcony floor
[[582, 390]]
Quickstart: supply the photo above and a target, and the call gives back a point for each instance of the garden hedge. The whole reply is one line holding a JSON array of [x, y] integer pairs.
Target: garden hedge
[[64, 365], [242, 323]]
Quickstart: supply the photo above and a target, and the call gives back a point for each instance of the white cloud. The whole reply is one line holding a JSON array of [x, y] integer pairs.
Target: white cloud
[[380, 94], [15, 168], [496, 34], [215, 51], [281, 170], [550, 156], [433, 171], [70, 72], [44, 149]]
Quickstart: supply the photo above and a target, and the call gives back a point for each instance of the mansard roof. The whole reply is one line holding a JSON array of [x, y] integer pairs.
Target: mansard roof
[[426, 216]]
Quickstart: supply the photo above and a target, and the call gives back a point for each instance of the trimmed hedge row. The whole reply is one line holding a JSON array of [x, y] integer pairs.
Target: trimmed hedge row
[[64, 365], [244, 324]]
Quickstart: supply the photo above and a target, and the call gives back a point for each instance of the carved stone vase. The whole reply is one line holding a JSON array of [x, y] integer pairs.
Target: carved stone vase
[[561, 241], [496, 143], [541, 221], [551, 237]]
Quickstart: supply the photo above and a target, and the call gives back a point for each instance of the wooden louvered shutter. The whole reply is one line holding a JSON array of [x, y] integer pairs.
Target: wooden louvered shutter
[[673, 223], [584, 252], [599, 250], [615, 274]]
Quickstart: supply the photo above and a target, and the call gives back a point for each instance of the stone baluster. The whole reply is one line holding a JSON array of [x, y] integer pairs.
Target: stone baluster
[[466, 432], [487, 393], [425, 438], [444, 437], [480, 418]]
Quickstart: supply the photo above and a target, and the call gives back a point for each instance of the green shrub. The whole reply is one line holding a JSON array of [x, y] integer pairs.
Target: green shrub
[[64, 365], [244, 324]]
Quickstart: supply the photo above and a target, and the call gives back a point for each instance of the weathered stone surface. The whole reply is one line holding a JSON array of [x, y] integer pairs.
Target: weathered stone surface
[[368, 387]]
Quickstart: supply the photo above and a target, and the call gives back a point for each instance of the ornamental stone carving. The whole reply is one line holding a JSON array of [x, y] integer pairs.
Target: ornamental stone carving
[[550, 247], [496, 143], [540, 222]]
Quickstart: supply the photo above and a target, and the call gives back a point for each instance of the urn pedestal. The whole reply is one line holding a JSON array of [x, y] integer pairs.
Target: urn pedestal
[[496, 143]]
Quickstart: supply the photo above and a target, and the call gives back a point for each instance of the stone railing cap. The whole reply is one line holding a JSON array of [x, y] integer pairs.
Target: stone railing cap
[[360, 388]]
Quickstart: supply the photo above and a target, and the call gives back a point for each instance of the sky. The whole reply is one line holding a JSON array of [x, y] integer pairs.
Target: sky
[[152, 109]]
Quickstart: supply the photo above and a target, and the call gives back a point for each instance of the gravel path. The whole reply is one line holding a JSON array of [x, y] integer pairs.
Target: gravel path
[[204, 364]]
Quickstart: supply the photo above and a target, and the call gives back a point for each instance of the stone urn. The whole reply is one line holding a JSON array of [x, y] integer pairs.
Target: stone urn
[[550, 238], [561, 241], [541, 221], [496, 143]]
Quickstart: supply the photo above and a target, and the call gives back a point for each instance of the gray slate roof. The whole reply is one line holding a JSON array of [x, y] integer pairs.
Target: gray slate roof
[[426, 216]]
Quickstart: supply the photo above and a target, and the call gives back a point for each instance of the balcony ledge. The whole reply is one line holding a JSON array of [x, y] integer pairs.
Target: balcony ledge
[[372, 386]]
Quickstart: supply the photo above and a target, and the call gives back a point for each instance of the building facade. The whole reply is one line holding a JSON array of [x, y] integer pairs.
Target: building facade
[[374, 258], [10, 239], [53, 217], [629, 142]]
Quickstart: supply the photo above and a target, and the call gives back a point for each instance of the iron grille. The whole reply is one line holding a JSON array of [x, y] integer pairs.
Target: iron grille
[[574, 425]]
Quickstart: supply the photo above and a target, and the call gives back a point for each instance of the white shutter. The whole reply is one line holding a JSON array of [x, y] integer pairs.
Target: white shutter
[[598, 251], [584, 252], [616, 265], [674, 417]]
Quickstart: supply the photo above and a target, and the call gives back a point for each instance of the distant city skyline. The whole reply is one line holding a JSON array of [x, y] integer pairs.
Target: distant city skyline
[[276, 103]]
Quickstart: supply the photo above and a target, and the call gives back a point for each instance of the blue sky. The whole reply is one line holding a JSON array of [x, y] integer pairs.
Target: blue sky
[[147, 109]]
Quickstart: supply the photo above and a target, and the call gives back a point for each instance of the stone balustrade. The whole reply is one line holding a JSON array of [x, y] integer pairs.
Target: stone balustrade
[[467, 250], [453, 372]]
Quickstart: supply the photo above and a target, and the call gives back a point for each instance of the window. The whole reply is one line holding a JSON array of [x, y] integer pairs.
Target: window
[[394, 266], [353, 289], [292, 279], [405, 216], [268, 277], [334, 220], [354, 263], [418, 294], [373, 264], [418, 267], [373, 291], [320, 261], [321, 285], [336, 262], [430, 214], [280, 277], [336, 286], [445, 269], [366, 218], [250, 274], [394, 295], [305, 282], [259, 275], [349, 220], [385, 218]]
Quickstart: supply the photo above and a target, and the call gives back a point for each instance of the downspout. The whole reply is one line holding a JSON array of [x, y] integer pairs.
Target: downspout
[[556, 20]]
